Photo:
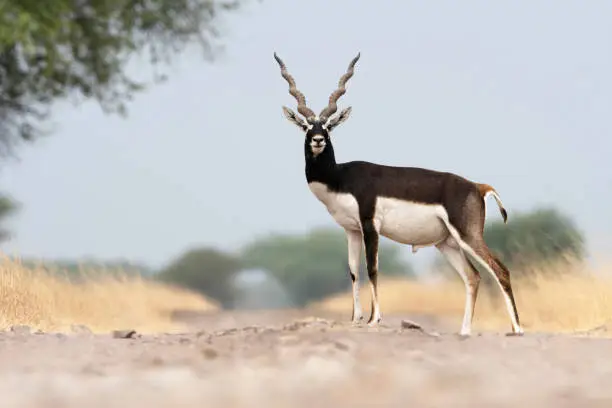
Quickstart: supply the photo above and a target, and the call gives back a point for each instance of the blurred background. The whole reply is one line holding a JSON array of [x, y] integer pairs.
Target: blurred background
[[196, 181]]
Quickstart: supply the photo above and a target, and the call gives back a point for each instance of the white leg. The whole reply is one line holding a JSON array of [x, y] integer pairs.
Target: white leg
[[355, 242], [455, 256], [376, 317], [516, 327], [371, 230]]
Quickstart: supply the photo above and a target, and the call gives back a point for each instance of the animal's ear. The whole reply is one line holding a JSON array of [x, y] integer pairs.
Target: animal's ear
[[339, 118], [295, 119]]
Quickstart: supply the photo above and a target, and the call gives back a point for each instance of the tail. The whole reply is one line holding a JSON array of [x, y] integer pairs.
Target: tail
[[485, 191]]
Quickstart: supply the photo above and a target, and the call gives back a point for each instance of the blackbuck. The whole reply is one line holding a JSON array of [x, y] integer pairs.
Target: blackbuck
[[409, 205]]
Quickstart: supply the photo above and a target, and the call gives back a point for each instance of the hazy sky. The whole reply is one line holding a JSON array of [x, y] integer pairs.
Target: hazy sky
[[515, 94]]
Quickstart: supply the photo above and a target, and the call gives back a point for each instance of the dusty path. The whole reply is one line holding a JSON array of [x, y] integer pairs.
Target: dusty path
[[277, 360]]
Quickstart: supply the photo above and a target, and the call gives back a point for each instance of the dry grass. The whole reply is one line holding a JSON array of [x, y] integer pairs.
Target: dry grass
[[48, 301], [577, 300]]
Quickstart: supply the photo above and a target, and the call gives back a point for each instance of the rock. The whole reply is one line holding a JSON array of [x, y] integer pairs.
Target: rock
[[125, 334], [254, 329], [157, 361], [341, 346], [227, 332], [291, 327], [307, 323], [210, 353], [409, 324], [20, 329]]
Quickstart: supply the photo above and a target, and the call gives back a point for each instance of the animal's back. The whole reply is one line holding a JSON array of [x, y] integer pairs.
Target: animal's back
[[365, 180]]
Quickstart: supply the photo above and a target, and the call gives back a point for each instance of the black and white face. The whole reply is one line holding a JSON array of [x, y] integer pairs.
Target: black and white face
[[317, 129], [317, 137]]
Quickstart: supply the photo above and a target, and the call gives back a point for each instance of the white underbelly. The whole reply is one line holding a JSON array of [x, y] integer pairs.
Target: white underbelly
[[410, 223], [401, 221]]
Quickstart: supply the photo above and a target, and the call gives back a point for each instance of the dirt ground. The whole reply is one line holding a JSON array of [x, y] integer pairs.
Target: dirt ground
[[297, 359]]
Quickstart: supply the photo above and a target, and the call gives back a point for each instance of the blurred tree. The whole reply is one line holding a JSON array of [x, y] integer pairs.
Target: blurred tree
[[540, 235], [314, 265], [50, 50], [206, 270], [8, 207]]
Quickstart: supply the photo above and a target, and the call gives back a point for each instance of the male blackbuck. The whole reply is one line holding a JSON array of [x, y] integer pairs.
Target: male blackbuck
[[409, 205]]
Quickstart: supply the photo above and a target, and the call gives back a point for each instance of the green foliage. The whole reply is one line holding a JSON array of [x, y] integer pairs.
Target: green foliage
[[8, 207], [540, 235], [206, 270], [314, 265], [53, 49]]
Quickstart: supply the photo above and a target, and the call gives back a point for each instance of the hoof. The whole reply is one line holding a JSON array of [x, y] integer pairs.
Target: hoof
[[516, 332]]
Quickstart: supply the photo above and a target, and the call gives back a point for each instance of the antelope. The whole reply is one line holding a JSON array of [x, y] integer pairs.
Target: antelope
[[409, 205]]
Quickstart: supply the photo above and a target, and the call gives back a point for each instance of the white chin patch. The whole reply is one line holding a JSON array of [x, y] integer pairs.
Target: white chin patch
[[317, 150]]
